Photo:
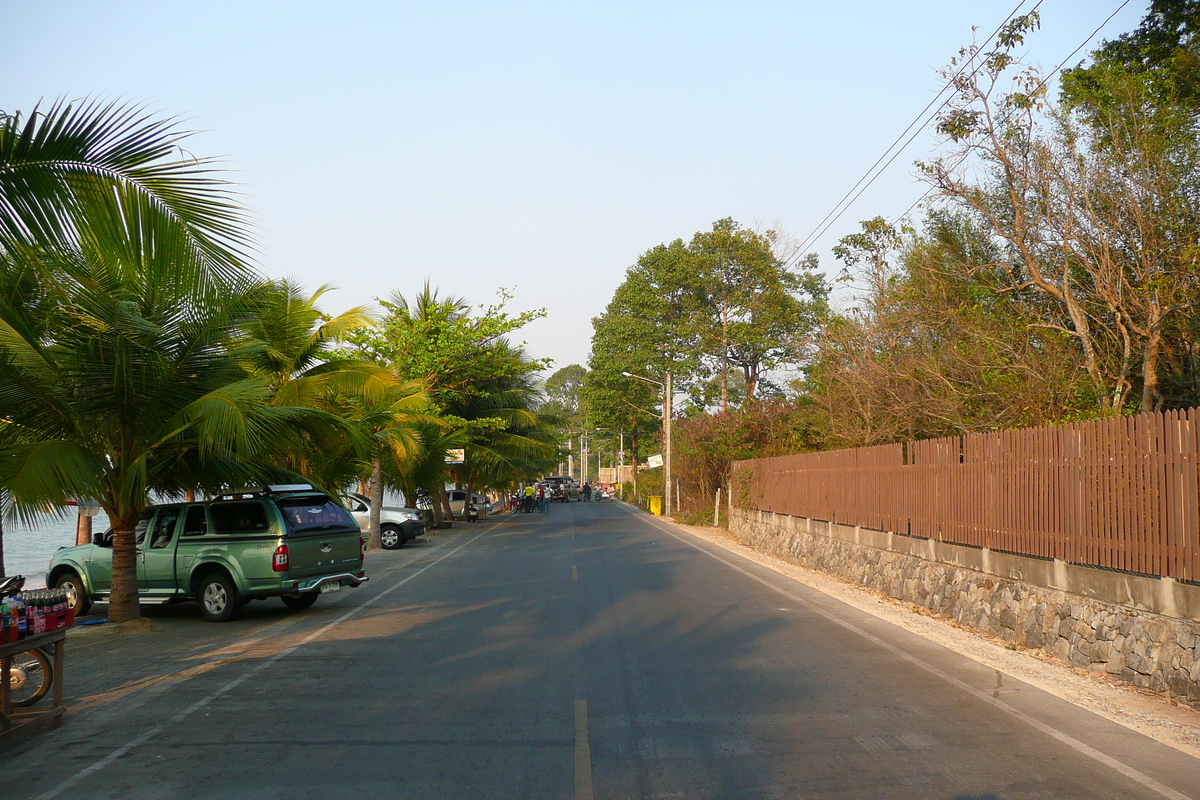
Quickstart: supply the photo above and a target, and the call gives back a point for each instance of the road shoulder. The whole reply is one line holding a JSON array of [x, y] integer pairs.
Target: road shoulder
[[1151, 715]]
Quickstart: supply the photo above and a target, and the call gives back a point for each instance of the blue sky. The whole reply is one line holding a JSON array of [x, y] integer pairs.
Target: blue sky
[[536, 146]]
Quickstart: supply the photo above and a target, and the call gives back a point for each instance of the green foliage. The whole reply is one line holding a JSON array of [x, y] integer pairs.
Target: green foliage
[[479, 387], [723, 302], [110, 178]]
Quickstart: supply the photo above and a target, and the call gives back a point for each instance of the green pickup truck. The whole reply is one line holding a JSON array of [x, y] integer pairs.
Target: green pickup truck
[[282, 541]]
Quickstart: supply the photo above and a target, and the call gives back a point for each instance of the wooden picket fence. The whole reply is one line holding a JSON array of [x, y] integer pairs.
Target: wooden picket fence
[[1122, 493]]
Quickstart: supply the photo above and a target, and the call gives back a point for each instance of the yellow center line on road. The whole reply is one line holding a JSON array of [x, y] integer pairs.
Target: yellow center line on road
[[583, 753]]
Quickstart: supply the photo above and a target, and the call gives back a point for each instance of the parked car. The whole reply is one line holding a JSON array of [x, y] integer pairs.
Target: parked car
[[458, 499], [288, 542], [397, 526]]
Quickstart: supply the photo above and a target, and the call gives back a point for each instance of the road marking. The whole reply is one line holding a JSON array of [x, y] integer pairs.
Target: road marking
[[575, 572], [1070, 741], [583, 753], [236, 682]]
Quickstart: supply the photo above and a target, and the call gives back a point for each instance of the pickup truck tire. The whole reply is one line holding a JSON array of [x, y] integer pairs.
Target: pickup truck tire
[[219, 601], [391, 537], [76, 595], [299, 602]]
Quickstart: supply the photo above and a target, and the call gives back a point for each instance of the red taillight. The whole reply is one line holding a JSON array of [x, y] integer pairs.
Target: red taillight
[[279, 562]]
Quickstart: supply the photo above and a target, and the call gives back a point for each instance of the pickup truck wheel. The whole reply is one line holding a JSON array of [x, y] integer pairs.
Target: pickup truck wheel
[[391, 537], [77, 596], [298, 602], [219, 599]]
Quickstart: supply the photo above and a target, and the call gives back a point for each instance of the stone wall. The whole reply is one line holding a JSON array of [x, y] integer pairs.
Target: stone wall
[[1143, 630]]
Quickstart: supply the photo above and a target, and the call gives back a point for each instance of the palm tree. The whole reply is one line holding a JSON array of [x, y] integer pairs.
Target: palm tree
[[125, 387], [393, 430], [292, 343], [123, 276], [111, 175]]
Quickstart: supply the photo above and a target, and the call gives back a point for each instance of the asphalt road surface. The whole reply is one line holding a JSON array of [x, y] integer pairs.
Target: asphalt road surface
[[592, 652]]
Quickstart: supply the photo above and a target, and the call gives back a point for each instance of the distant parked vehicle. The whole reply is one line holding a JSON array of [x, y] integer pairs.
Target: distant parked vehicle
[[563, 488], [458, 501], [397, 525], [288, 542]]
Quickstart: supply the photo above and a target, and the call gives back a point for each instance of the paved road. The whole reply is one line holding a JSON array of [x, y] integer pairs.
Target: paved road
[[589, 653]]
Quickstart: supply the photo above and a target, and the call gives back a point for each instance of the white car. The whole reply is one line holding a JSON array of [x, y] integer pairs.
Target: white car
[[396, 525], [458, 498]]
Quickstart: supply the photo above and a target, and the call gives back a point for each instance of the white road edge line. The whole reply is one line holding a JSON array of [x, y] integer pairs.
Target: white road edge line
[[1054, 733], [201, 703]]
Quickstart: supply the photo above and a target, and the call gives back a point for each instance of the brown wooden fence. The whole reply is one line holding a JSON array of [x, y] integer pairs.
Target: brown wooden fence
[[1120, 493]]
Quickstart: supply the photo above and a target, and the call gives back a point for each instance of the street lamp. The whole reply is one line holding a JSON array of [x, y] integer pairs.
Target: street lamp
[[666, 420]]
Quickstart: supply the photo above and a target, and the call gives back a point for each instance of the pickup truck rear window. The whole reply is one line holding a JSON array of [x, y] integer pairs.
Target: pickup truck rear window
[[305, 515]]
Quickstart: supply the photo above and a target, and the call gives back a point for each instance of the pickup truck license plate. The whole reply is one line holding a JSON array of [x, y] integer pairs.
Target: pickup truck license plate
[[331, 586]]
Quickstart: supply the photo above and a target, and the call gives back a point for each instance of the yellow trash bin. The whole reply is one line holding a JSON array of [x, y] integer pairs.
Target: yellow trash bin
[[656, 505]]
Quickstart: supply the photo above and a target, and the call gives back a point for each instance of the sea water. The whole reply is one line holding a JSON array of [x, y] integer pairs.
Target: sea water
[[27, 549]]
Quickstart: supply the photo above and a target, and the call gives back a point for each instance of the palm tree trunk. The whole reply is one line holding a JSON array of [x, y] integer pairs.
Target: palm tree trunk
[[373, 542], [123, 602], [444, 499], [435, 505]]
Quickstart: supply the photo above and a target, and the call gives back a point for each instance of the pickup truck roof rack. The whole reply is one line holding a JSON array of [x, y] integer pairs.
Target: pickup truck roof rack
[[259, 491]]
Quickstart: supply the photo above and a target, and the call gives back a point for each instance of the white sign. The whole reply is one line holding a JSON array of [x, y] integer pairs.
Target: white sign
[[456, 456], [654, 461]]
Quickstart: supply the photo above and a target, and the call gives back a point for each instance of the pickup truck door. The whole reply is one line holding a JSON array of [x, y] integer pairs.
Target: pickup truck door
[[156, 553]]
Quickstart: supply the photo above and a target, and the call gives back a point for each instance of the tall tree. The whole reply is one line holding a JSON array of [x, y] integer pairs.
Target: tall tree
[[461, 357], [1099, 216], [756, 313], [127, 385], [132, 252]]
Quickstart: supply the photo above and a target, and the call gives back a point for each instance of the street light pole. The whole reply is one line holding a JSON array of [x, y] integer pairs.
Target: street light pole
[[666, 421], [667, 399]]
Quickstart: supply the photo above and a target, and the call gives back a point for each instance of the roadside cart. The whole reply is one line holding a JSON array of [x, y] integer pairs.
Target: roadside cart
[[13, 719]]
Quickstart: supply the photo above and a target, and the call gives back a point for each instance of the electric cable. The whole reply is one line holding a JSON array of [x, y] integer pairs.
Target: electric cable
[[828, 222], [919, 119]]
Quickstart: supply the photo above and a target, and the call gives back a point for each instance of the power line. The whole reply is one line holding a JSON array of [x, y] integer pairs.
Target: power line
[[1042, 83], [916, 120]]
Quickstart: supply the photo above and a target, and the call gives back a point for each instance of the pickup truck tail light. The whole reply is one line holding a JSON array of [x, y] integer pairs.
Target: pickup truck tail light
[[279, 562]]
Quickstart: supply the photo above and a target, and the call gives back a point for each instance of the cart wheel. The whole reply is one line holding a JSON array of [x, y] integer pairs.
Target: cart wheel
[[29, 678]]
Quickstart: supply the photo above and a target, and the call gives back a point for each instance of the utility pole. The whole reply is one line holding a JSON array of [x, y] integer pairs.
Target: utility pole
[[667, 437]]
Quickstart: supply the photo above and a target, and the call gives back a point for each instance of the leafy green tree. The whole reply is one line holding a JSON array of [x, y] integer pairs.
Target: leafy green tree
[[127, 385], [564, 394], [757, 314], [462, 358]]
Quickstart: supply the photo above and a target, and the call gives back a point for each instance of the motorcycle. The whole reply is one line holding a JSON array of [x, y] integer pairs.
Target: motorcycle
[[30, 674]]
